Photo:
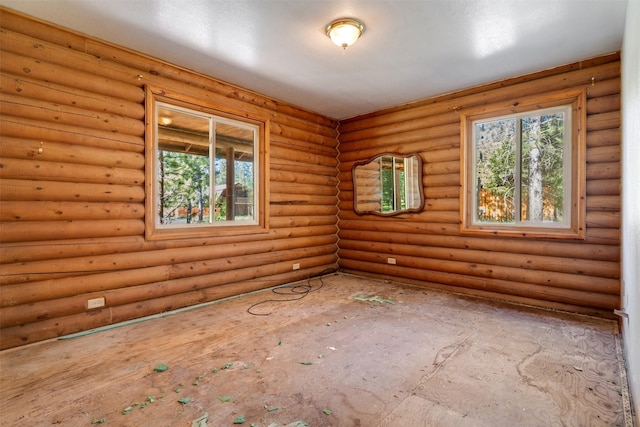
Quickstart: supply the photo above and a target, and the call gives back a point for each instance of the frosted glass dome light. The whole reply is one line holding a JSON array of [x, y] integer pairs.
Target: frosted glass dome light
[[344, 32]]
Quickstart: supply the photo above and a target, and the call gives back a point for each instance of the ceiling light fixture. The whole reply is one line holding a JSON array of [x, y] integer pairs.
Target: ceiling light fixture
[[344, 32]]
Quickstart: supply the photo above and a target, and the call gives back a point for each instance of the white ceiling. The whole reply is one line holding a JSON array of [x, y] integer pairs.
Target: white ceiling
[[410, 49]]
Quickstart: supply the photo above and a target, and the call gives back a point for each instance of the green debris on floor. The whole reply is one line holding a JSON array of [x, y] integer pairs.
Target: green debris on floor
[[161, 367], [375, 298], [184, 400], [201, 422], [298, 423], [239, 420]]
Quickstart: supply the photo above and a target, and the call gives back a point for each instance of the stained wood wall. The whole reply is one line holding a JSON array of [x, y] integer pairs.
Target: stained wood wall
[[72, 190], [429, 249]]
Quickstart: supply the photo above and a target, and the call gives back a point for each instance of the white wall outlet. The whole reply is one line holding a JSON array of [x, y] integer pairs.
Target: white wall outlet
[[296, 266], [95, 303], [391, 260]]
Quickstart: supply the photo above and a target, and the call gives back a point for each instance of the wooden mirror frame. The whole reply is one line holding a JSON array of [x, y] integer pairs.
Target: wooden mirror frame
[[418, 186]]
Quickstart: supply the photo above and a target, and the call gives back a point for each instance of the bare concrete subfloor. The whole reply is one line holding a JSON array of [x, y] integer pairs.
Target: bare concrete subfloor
[[355, 352]]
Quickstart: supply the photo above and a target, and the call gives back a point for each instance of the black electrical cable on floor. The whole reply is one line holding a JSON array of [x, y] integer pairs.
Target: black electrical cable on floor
[[297, 291]]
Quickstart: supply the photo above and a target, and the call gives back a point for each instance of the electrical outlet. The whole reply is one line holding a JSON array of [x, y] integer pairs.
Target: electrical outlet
[[95, 303], [296, 266], [391, 260]]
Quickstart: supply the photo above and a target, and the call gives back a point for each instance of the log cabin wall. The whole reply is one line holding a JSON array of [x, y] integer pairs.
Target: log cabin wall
[[581, 275], [72, 190]]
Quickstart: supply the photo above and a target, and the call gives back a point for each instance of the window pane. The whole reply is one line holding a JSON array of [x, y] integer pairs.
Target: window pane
[[495, 145], [542, 172], [184, 173], [234, 172], [388, 185]]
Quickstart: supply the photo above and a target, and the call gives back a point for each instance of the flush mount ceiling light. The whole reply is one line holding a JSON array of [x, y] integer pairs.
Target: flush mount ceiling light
[[344, 32]]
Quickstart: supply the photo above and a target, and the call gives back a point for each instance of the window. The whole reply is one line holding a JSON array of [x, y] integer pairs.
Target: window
[[524, 168], [206, 169]]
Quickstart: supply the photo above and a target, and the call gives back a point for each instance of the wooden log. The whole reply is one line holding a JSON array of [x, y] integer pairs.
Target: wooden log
[[545, 293], [37, 270], [442, 204], [59, 268], [282, 176], [285, 189], [27, 293], [421, 219], [299, 166], [603, 187], [47, 111], [158, 69], [304, 137], [610, 120], [606, 203], [594, 235], [603, 236], [279, 223], [68, 172], [24, 334], [302, 210], [442, 180], [297, 156], [596, 219], [605, 137], [437, 149], [292, 227], [611, 170], [451, 192], [29, 231], [605, 154], [604, 88], [230, 95], [29, 149], [442, 168], [45, 51], [429, 121], [22, 190], [40, 30], [152, 292], [68, 211], [303, 147], [49, 328], [603, 104], [23, 128], [70, 96], [415, 235], [532, 85], [389, 142], [64, 75], [540, 263], [301, 199]]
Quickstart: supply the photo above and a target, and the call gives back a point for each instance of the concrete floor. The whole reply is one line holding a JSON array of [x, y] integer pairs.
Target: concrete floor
[[354, 352]]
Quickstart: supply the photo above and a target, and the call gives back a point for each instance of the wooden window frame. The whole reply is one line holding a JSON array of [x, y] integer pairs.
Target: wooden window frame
[[576, 227], [155, 231]]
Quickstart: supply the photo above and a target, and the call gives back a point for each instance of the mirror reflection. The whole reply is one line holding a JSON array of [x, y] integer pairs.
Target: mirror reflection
[[388, 184]]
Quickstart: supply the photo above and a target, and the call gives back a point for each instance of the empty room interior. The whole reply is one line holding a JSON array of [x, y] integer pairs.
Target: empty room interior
[[319, 213]]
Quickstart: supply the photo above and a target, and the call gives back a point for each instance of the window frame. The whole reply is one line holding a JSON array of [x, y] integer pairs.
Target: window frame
[[574, 226], [156, 231]]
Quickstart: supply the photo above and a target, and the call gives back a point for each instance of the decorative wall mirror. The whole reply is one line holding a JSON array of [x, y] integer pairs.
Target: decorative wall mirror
[[388, 184]]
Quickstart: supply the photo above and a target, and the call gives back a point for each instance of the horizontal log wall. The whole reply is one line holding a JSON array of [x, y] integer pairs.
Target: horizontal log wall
[[72, 190], [582, 275]]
